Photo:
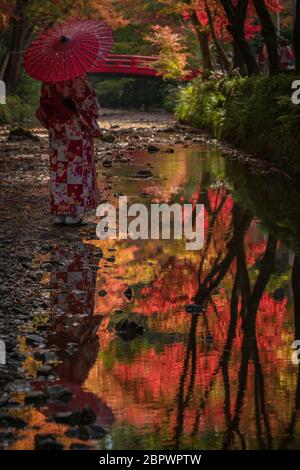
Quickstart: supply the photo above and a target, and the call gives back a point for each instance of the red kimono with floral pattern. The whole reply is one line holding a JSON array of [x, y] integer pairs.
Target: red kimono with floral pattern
[[69, 110]]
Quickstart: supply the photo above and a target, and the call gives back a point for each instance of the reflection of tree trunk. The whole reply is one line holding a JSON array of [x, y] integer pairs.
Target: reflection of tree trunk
[[249, 345], [18, 25], [241, 222], [226, 357], [269, 34], [183, 401], [296, 294]]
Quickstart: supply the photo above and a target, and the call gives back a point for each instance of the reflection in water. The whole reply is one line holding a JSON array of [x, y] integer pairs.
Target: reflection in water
[[221, 378], [74, 324]]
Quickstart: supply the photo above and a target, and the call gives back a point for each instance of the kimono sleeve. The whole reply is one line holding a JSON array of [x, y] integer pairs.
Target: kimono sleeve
[[87, 105], [43, 111]]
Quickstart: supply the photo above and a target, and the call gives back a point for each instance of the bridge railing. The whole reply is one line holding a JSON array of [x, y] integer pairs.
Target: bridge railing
[[121, 63], [132, 65]]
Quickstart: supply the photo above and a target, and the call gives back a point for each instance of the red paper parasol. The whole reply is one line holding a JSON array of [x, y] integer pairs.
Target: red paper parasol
[[68, 50]]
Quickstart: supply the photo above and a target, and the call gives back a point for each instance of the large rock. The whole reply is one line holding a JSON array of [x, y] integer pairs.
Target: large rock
[[19, 133]]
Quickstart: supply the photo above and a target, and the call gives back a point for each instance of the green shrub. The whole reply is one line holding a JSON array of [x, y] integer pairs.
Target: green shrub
[[255, 113], [22, 105], [202, 105], [12, 111]]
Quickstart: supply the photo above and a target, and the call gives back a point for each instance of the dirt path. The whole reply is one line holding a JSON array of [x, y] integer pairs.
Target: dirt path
[[27, 233]]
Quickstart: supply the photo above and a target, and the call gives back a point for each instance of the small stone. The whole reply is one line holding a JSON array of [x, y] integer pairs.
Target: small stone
[[102, 293], [6, 436], [76, 446], [19, 133], [152, 149], [7, 420], [84, 416], [34, 339], [47, 442], [60, 393], [84, 433], [4, 399], [35, 396], [144, 174], [44, 370], [108, 138]]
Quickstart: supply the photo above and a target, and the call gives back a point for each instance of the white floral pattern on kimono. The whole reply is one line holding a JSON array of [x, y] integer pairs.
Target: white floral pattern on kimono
[[72, 166]]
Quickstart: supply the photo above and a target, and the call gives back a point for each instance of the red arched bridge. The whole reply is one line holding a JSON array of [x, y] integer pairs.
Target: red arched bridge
[[131, 65]]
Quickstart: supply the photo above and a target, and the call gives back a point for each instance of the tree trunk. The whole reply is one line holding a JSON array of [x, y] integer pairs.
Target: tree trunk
[[269, 34], [297, 36], [236, 29], [225, 62], [238, 60], [203, 38], [17, 44], [241, 9]]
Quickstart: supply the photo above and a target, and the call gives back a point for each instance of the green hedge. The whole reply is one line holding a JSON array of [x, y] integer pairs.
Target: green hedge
[[255, 113]]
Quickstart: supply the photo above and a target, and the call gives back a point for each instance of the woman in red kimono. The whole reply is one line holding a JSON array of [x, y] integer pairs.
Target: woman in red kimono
[[69, 110]]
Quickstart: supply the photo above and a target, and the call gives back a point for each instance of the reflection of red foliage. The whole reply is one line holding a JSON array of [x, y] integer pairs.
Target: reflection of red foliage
[[152, 380], [144, 389]]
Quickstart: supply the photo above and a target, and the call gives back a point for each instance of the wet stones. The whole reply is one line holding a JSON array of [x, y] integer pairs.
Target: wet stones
[[6, 437], [45, 355], [7, 420], [85, 433], [102, 293], [4, 399], [108, 137], [18, 134], [47, 442], [144, 174], [60, 393], [77, 446], [44, 371], [34, 340], [36, 397], [77, 417], [152, 149]]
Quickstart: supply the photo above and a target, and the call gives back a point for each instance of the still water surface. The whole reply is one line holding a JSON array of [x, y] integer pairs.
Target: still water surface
[[219, 379]]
